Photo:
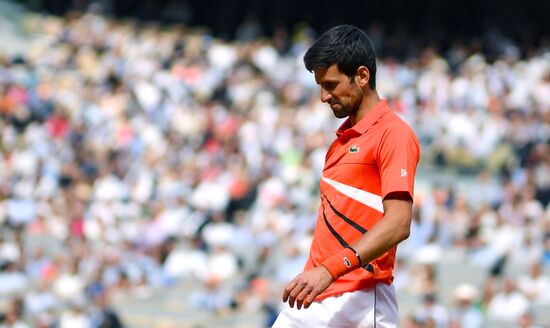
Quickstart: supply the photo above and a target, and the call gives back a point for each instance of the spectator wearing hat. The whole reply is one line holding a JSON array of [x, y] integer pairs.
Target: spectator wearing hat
[[466, 313]]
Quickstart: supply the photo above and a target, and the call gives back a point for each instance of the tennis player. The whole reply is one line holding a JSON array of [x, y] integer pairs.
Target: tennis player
[[366, 192]]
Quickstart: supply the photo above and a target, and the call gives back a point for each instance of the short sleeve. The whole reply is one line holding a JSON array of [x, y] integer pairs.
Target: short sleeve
[[398, 156]]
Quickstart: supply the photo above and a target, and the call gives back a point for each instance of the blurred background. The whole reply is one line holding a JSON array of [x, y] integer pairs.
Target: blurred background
[[160, 160]]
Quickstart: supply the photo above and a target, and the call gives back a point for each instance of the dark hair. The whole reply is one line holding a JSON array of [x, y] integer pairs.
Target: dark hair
[[346, 46]]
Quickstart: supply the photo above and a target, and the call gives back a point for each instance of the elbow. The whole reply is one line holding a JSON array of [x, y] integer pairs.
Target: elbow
[[405, 233], [404, 230]]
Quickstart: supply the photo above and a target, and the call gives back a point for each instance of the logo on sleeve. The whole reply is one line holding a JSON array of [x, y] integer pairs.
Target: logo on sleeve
[[403, 173], [354, 149]]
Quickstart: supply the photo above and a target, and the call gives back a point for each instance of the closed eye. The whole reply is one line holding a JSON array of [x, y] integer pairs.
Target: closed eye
[[329, 86]]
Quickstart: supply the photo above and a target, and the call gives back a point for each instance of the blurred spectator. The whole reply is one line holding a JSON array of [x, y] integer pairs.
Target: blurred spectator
[[13, 317], [466, 313], [103, 316], [535, 285], [211, 297], [508, 304], [527, 321], [40, 300], [432, 311], [75, 316]]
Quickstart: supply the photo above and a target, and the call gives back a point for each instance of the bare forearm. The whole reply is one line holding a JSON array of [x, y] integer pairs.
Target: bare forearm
[[392, 229]]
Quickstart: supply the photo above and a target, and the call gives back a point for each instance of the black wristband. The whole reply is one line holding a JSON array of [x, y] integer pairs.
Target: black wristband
[[356, 254]]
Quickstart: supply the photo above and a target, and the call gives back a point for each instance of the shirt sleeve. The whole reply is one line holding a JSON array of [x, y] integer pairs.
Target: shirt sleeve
[[398, 156]]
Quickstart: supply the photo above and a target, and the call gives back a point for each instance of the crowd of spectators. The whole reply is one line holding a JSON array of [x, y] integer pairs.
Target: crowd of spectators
[[136, 157]]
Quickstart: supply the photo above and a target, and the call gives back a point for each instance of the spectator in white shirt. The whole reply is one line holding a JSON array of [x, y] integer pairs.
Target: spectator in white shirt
[[509, 304]]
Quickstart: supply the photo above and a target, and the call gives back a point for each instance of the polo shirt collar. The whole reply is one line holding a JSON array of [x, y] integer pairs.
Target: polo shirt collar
[[346, 130]]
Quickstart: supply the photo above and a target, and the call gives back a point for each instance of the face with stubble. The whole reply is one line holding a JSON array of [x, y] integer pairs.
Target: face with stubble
[[339, 91]]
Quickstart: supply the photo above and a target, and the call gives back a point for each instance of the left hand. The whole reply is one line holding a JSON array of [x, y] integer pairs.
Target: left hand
[[306, 286]]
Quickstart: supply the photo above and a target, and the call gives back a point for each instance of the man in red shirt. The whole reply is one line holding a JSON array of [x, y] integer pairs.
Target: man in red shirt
[[366, 195]]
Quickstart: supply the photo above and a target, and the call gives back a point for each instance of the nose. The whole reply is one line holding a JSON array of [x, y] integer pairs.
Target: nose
[[325, 95]]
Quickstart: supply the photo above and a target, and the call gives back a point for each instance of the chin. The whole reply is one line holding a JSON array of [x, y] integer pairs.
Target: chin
[[340, 114]]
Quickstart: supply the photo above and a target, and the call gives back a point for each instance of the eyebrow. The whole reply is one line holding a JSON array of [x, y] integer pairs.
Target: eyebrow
[[328, 81]]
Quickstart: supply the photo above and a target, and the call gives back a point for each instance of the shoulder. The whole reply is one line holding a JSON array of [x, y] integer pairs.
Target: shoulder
[[391, 125], [395, 133]]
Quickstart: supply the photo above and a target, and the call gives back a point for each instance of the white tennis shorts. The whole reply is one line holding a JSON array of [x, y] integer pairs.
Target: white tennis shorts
[[367, 308]]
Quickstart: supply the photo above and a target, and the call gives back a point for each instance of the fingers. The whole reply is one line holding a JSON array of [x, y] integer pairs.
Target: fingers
[[298, 292], [294, 293], [302, 296], [305, 287], [289, 288], [310, 297]]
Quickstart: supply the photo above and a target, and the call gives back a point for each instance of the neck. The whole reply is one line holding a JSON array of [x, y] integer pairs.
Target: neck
[[366, 105]]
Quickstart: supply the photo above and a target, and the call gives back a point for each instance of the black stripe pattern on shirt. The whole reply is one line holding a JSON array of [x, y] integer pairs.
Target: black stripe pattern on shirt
[[333, 231], [345, 218], [336, 235]]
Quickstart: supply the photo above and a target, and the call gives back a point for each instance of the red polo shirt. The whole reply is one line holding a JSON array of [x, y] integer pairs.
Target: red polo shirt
[[366, 162]]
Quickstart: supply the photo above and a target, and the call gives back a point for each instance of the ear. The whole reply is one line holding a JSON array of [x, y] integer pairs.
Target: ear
[[363, 76]]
